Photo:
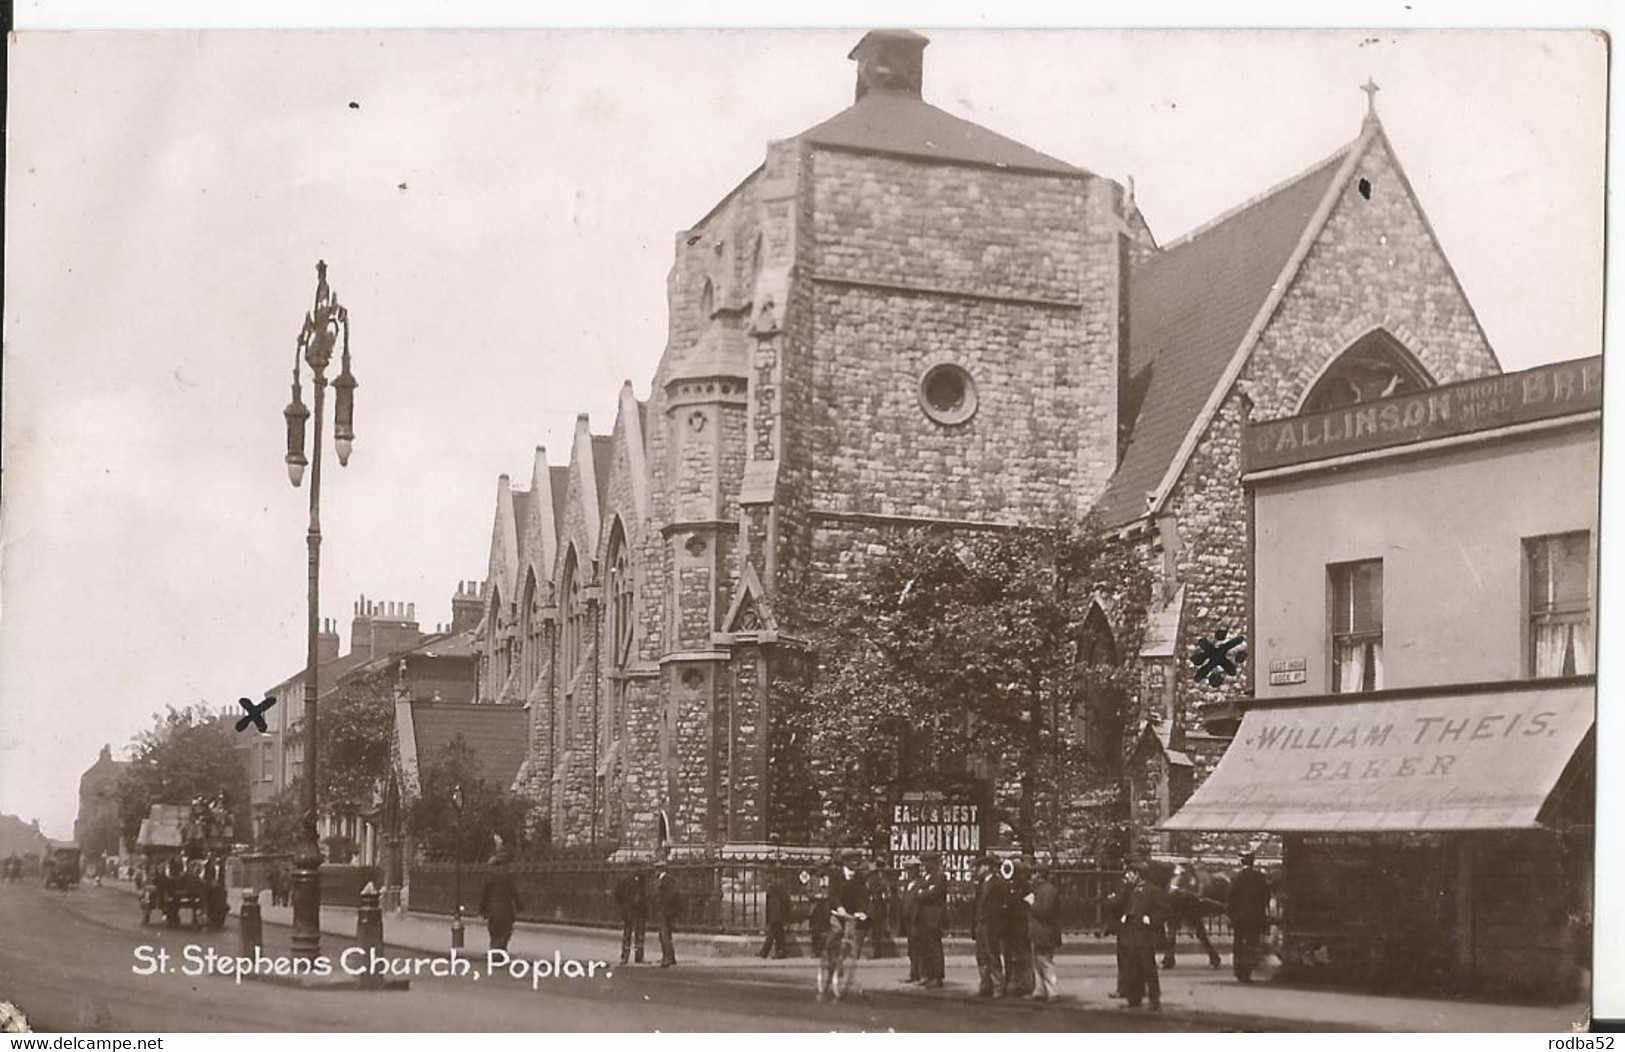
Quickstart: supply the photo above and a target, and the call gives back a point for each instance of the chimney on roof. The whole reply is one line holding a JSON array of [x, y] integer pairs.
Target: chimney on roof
[[361, 628], [466, 606], [327, 641], [890, 60]]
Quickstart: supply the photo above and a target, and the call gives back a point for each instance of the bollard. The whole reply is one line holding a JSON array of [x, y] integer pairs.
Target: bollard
[[369, 919], [457, 929], [248, 923]]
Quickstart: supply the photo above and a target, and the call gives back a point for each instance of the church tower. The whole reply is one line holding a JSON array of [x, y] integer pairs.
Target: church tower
[[901, 319]]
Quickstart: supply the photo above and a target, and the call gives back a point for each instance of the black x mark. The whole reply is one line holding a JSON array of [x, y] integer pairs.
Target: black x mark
[[256, 714]]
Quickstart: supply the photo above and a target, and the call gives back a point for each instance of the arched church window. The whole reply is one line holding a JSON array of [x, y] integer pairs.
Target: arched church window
[[1103, 715], [530, 634], [493, 646], [620, 598], [572, 614], [708, 298], [1374, 366]]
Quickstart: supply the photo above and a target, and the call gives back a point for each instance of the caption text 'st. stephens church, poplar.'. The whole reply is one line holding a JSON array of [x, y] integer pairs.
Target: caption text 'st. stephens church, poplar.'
[[904, 319]]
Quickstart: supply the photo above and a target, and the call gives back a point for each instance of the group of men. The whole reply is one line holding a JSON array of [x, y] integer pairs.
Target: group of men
[[633, 898], [1016, 926], [501, 905], [1144, 915]]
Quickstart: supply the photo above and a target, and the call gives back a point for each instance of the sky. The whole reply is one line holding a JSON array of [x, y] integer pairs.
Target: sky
[[498, 211]]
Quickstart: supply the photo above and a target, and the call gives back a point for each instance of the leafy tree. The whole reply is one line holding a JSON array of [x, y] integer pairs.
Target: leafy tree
[[356, 722], [279, 826], [957, 655], [488, 811], [188, 755]]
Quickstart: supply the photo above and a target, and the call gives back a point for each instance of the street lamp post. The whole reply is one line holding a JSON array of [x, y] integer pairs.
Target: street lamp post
[[325, 324], [457, 872]]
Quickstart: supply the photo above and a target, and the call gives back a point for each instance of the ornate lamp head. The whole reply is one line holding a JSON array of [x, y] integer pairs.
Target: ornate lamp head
[[296, 414]]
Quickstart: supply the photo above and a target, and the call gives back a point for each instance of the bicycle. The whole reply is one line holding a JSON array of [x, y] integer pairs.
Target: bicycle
[[838, 966]]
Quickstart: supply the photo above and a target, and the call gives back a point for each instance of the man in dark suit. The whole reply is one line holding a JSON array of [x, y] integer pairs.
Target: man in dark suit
[[499, 903], [930, 913], [1016, 935], [668, 904], [632, 897], [991, 905], [908, 906], [1248, 907], [1116, 904], [1140, 927], [778, 915]]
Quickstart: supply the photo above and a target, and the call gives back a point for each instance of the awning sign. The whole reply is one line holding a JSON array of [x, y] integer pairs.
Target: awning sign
[[1477, 761]]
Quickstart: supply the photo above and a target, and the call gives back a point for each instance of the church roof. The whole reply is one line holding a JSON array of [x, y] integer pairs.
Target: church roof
[[1190, 306], [903, 124], [496, 734], [521, 504], [560, 488], [603, 447]]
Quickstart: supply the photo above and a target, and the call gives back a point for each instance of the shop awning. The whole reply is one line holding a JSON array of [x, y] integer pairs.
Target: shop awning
[[1480, 760]]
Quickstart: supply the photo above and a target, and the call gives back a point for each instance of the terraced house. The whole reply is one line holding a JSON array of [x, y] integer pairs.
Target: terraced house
[[903, 319]]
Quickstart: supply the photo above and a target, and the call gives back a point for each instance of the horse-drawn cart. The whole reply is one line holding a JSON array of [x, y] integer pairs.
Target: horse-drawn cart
[[62, 868], [182, 869]]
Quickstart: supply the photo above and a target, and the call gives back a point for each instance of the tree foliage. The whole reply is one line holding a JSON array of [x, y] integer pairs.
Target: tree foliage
[[279, 821], [189, 754], [356, 722], [489, 814], [954, 656]]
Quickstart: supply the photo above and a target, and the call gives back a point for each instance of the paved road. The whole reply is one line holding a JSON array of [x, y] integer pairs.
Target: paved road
[[67, 961]]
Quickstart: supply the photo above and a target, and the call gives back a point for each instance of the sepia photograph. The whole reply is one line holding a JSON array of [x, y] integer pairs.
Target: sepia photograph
[[886, 528]]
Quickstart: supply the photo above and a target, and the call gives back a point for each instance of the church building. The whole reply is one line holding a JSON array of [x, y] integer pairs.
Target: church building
[[902, 319]]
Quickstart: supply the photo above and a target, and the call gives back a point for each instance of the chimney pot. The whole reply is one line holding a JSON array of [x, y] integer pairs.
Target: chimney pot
[[890, 60]]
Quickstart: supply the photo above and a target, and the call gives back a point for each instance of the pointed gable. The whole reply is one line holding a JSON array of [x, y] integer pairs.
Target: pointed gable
[[502, 567], [539, 527], [1191, 307], [583, 515], [629, 426]]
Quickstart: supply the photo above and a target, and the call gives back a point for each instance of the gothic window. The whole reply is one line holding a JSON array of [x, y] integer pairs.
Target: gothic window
[[530, 636], [493, 646], [620, 598], [708, 298], [1375, 366], [621, 594], [573, 617], [1103, 706]]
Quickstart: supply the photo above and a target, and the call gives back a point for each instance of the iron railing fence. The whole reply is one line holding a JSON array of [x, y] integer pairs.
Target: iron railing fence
[[730, 895]]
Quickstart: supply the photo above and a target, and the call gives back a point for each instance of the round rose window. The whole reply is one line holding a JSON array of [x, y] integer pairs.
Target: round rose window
[[947, 394]]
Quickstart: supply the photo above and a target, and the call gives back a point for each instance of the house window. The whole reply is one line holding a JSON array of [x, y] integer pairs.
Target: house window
[[1560, 641], [267, 766], [1357, 627]]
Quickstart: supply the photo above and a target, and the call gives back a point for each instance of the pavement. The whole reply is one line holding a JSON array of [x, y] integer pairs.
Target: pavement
[[1192, 992], [82, 961]]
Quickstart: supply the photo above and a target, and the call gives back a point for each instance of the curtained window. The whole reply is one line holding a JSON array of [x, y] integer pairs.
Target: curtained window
[[1560, 640], [1356, 626]]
